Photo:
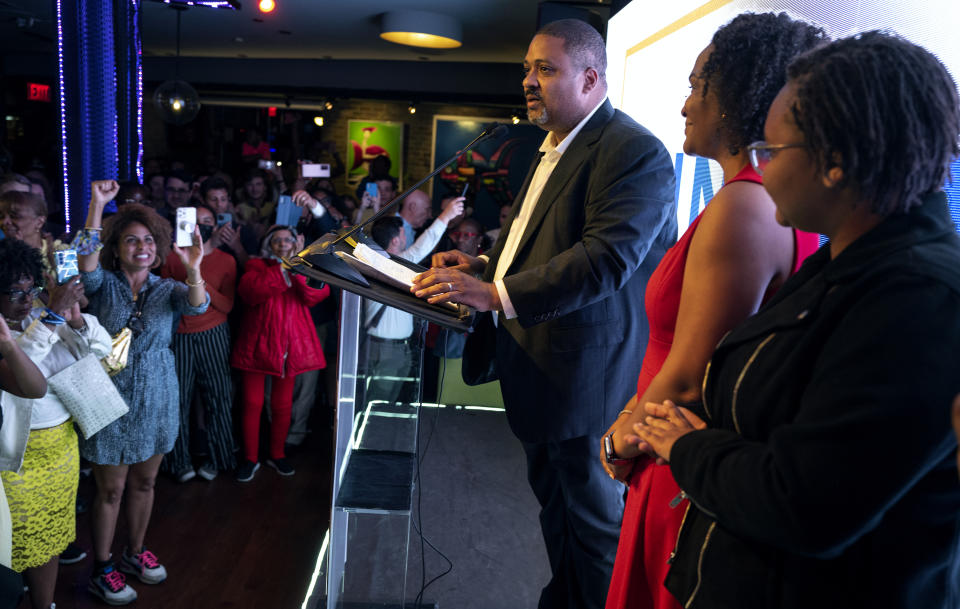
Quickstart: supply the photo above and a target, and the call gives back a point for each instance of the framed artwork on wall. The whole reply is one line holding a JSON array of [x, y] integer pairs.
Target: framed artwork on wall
[[366, 140], [493, 171]]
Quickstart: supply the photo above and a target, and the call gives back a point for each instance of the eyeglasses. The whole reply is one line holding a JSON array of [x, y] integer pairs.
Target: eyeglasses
[[181, 191], [22, 297], [462, 235], [280, 240], [761, 153]]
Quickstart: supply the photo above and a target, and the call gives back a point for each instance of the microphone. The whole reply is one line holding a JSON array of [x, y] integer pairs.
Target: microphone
[[491, 131]]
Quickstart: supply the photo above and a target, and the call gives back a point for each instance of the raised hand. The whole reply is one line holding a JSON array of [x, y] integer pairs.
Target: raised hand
[[63, 297], [192, 256], [453, 209], [102, 192], [303, 199]]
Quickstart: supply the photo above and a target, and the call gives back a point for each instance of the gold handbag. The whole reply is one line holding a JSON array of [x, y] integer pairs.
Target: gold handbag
[[117, 358]]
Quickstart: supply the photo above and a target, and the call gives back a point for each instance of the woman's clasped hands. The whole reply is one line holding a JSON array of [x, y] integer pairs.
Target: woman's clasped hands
[[663, 425]]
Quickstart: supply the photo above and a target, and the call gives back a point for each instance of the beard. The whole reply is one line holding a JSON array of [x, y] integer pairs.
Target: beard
[[537, 117]]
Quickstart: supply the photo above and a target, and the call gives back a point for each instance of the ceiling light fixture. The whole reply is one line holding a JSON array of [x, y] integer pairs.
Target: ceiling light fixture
[[421, 29], [412, 108], [267, 6], [328, 105], [318, 121], [177, 101]]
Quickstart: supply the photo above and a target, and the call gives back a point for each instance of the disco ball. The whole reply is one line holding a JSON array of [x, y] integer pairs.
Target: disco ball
[[177, 102]]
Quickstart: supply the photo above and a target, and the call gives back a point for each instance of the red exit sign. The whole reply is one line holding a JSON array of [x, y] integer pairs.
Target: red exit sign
[[38, 92]]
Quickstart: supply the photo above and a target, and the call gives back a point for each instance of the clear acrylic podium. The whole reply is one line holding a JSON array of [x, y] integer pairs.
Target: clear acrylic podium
[[377, 426], [373, 469]]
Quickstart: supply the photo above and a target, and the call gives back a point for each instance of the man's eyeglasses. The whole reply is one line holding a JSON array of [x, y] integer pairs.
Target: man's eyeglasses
[[23, 297], [281, 240], [761, 153], [181, 191], [462, 235]]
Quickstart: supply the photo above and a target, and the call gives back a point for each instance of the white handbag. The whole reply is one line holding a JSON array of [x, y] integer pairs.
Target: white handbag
[[88, 394]]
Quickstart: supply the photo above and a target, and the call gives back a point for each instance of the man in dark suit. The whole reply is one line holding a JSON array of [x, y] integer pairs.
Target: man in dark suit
[[566, 279]]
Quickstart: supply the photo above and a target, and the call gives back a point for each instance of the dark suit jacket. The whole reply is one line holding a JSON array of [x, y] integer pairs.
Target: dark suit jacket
[[569, 361]]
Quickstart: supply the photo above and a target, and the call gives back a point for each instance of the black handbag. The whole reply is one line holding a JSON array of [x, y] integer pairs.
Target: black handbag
[[480, 352]]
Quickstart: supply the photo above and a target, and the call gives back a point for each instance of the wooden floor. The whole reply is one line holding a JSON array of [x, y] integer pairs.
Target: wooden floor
[[225, 544]]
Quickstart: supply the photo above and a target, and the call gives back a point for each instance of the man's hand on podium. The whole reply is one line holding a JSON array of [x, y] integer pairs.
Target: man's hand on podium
[[453, 285]]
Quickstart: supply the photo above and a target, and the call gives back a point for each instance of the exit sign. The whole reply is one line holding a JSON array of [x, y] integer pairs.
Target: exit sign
[[38, 92]]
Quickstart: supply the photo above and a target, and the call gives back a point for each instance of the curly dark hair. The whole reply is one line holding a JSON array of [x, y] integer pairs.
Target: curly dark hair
[[748, 67], [17, 261], [129, 214], [885, 110]]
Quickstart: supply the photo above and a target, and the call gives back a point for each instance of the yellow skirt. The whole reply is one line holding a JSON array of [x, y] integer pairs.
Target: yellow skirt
[[43, 499]]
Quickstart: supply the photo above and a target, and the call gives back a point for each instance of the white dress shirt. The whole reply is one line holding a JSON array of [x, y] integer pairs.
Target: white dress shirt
[[552, 151], [394, 323]]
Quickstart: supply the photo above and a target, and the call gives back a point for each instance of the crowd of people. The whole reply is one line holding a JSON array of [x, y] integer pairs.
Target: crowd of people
[[218, 329], [776, 413]]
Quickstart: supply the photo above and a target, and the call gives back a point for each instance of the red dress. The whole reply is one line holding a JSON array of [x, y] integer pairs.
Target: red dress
[[650, 524]]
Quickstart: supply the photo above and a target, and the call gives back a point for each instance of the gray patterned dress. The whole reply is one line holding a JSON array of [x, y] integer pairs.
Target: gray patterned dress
[[149, 382]]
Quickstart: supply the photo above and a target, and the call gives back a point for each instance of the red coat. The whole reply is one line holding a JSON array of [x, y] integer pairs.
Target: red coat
[[277, 335]]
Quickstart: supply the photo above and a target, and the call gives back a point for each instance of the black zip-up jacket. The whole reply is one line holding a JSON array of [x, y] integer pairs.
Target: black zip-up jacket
[[826, 477]]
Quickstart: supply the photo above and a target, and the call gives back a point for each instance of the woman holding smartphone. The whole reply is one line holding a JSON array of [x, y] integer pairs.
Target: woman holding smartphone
[[127, 453], [38, 444]]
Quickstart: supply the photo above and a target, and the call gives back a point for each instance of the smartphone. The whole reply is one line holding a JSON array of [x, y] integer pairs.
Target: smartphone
[[372, 190], [288, 213], [265, 164], [316, 170], [186, 222], [224, 218], [66, 265], [463, 192]]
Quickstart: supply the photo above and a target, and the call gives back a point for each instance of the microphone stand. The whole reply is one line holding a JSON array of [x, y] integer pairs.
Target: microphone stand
[[493, 130]]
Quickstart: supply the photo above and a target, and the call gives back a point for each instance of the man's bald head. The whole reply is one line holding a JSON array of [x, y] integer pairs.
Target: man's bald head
[[416, 208]]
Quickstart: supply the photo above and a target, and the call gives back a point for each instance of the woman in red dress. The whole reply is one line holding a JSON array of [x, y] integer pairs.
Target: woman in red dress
[[733, 257]]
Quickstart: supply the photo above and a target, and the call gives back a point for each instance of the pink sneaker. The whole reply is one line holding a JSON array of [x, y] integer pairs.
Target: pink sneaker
[[144, 565], [110, 585]]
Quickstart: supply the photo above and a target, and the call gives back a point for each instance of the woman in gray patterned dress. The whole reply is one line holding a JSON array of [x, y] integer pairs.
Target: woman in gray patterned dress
[[127, 453]]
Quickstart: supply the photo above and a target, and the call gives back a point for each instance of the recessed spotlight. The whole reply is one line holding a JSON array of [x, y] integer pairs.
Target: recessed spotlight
[[318, 121], [328, 105], [412, 108], [267, 6]]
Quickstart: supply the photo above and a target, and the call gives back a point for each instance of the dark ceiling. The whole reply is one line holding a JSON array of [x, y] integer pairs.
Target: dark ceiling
[[312, 47]]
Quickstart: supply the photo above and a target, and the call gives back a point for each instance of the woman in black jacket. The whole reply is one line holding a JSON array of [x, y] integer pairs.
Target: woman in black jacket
[[820, 465]]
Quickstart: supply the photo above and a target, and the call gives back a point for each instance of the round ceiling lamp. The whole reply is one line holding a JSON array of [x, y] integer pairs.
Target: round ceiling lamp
[[421, 29], [177, 101]]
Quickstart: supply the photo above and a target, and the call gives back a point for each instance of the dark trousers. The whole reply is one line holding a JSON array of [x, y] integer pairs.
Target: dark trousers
[[203, 359], [580, 516]]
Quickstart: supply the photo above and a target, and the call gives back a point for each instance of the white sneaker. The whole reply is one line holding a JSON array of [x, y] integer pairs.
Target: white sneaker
[[207, 471], [144, 565], [110, 585]]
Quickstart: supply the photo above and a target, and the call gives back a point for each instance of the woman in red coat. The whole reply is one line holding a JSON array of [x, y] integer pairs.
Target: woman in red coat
[[276, 339]]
